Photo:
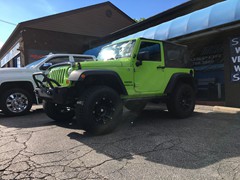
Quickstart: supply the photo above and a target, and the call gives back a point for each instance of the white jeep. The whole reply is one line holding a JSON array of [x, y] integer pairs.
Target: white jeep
[[17, 86]]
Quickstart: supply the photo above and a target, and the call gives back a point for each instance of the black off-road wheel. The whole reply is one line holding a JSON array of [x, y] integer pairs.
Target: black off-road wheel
[[99, 110], [135, 106], [58, 112], [15, 101], [181, 102]]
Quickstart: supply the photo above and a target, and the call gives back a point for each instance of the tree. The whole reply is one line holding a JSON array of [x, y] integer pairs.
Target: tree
[[139, 20]]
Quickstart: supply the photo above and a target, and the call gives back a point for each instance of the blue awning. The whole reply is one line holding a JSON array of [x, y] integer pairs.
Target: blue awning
[[218, 14]]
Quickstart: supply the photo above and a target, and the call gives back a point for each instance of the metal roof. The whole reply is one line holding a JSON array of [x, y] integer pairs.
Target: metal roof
[[218, 14]]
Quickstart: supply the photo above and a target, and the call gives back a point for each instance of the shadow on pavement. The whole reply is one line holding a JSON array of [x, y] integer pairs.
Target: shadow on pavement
[[196, 142], [192, 143], [35, 118]]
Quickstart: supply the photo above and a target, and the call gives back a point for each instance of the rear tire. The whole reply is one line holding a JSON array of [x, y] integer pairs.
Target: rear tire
[[99, 110], [181, 102], [16, 102], [57, 112]]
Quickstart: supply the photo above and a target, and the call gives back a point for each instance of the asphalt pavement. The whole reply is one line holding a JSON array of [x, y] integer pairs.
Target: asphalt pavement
[[151, 145]]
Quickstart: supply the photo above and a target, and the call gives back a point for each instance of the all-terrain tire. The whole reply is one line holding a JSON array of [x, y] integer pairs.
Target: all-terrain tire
[[57, 112], [15, 102], [135, 106], [181, 102], [99, 110]]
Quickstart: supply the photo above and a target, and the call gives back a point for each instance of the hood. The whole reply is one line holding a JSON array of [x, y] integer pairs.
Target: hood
[[17, 70], [110, 63]]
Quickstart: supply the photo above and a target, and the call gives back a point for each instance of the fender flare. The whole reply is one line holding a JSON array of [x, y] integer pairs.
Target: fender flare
[[77, 76], [180, 77]]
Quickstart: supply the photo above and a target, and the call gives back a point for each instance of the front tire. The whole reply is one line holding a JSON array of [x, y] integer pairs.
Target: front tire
[[181, 102], [57, 112], [16, 102], [99, 110]]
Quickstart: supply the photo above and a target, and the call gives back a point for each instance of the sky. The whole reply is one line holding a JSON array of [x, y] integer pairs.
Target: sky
[[13, 12]]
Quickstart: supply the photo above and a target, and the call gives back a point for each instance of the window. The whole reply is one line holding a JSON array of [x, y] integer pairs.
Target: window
[[54, 61], [81, 59], [116, 51], [57, 60], [149, 52], [176, 56]]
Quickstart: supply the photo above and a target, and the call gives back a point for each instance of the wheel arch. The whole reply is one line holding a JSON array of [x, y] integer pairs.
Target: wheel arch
[[99, 77], [26, 85], [180, 78]]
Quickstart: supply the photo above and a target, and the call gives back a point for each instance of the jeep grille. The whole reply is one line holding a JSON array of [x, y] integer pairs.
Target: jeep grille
[[58, 74]]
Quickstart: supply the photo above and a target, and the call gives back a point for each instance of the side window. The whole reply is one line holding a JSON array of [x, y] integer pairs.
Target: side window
[[149, 51], [176, 56], [81, 59], [57, 60]]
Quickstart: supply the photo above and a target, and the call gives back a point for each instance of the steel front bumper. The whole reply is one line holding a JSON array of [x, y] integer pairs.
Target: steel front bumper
[[50, 90]]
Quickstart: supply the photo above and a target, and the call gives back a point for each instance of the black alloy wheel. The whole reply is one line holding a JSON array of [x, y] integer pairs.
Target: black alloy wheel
[[99, 110], [181, 102], [58, 112]]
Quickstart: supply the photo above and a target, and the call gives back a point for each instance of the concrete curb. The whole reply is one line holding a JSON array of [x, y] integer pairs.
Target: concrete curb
[[224, 109]]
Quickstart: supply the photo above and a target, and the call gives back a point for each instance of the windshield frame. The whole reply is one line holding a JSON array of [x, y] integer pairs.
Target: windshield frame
[[115, 51]]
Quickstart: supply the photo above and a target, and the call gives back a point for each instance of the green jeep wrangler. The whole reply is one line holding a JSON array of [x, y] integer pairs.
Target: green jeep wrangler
[[130, 73]]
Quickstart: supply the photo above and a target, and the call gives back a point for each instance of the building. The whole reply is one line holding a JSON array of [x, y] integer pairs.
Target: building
[[209, 28], [211, 31], [68, 32]]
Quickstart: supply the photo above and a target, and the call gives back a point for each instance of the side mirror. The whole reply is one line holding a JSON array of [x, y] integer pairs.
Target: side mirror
[[144, 55], [138, 63], [45, 66]]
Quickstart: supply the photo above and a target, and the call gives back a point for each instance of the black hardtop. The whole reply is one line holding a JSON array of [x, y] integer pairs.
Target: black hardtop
[[176, 55]]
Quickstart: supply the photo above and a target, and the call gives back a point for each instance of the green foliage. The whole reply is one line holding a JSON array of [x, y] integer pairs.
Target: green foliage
[[139, 20]]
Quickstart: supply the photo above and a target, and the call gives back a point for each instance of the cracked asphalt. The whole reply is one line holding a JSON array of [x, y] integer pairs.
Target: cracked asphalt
[[150, 145]]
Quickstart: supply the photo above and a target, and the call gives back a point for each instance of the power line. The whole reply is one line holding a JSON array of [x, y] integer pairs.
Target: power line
[[7, 22]]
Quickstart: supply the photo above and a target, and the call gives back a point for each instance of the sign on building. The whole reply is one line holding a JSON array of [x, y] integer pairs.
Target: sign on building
[[235, 59]]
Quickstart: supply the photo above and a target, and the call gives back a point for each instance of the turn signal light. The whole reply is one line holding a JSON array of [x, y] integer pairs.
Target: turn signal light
[[83, 76]]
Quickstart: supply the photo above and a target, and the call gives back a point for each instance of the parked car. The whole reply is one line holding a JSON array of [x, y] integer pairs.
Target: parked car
[[17, 86], [130, 73]]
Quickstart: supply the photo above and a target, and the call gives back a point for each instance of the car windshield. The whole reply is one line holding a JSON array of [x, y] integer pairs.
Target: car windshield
[[35, 63], [116, 51]]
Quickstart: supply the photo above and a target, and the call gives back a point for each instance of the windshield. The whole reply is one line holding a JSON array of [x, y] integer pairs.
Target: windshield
[[116, 51], [35, 63]]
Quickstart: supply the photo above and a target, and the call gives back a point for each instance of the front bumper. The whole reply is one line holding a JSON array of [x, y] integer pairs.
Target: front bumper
[[50, 90]]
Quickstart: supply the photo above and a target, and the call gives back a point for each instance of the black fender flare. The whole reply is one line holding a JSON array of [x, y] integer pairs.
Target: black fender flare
[[105, 75], [180, 77]]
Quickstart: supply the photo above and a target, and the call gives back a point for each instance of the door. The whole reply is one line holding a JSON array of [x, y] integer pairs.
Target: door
[[149, 67]]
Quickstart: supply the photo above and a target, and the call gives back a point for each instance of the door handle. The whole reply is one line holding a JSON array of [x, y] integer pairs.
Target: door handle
[[160, 67]]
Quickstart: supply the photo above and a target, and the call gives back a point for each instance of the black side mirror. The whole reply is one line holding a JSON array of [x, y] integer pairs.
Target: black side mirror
[[45, 66], [138, 63], [144, 55]]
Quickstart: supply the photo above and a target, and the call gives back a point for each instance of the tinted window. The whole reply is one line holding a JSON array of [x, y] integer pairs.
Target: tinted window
[[149, 51], [80, 59], [57, 60], [176, 55]]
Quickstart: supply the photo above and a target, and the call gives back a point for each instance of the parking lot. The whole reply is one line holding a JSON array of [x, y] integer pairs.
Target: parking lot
[[150, 145]]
